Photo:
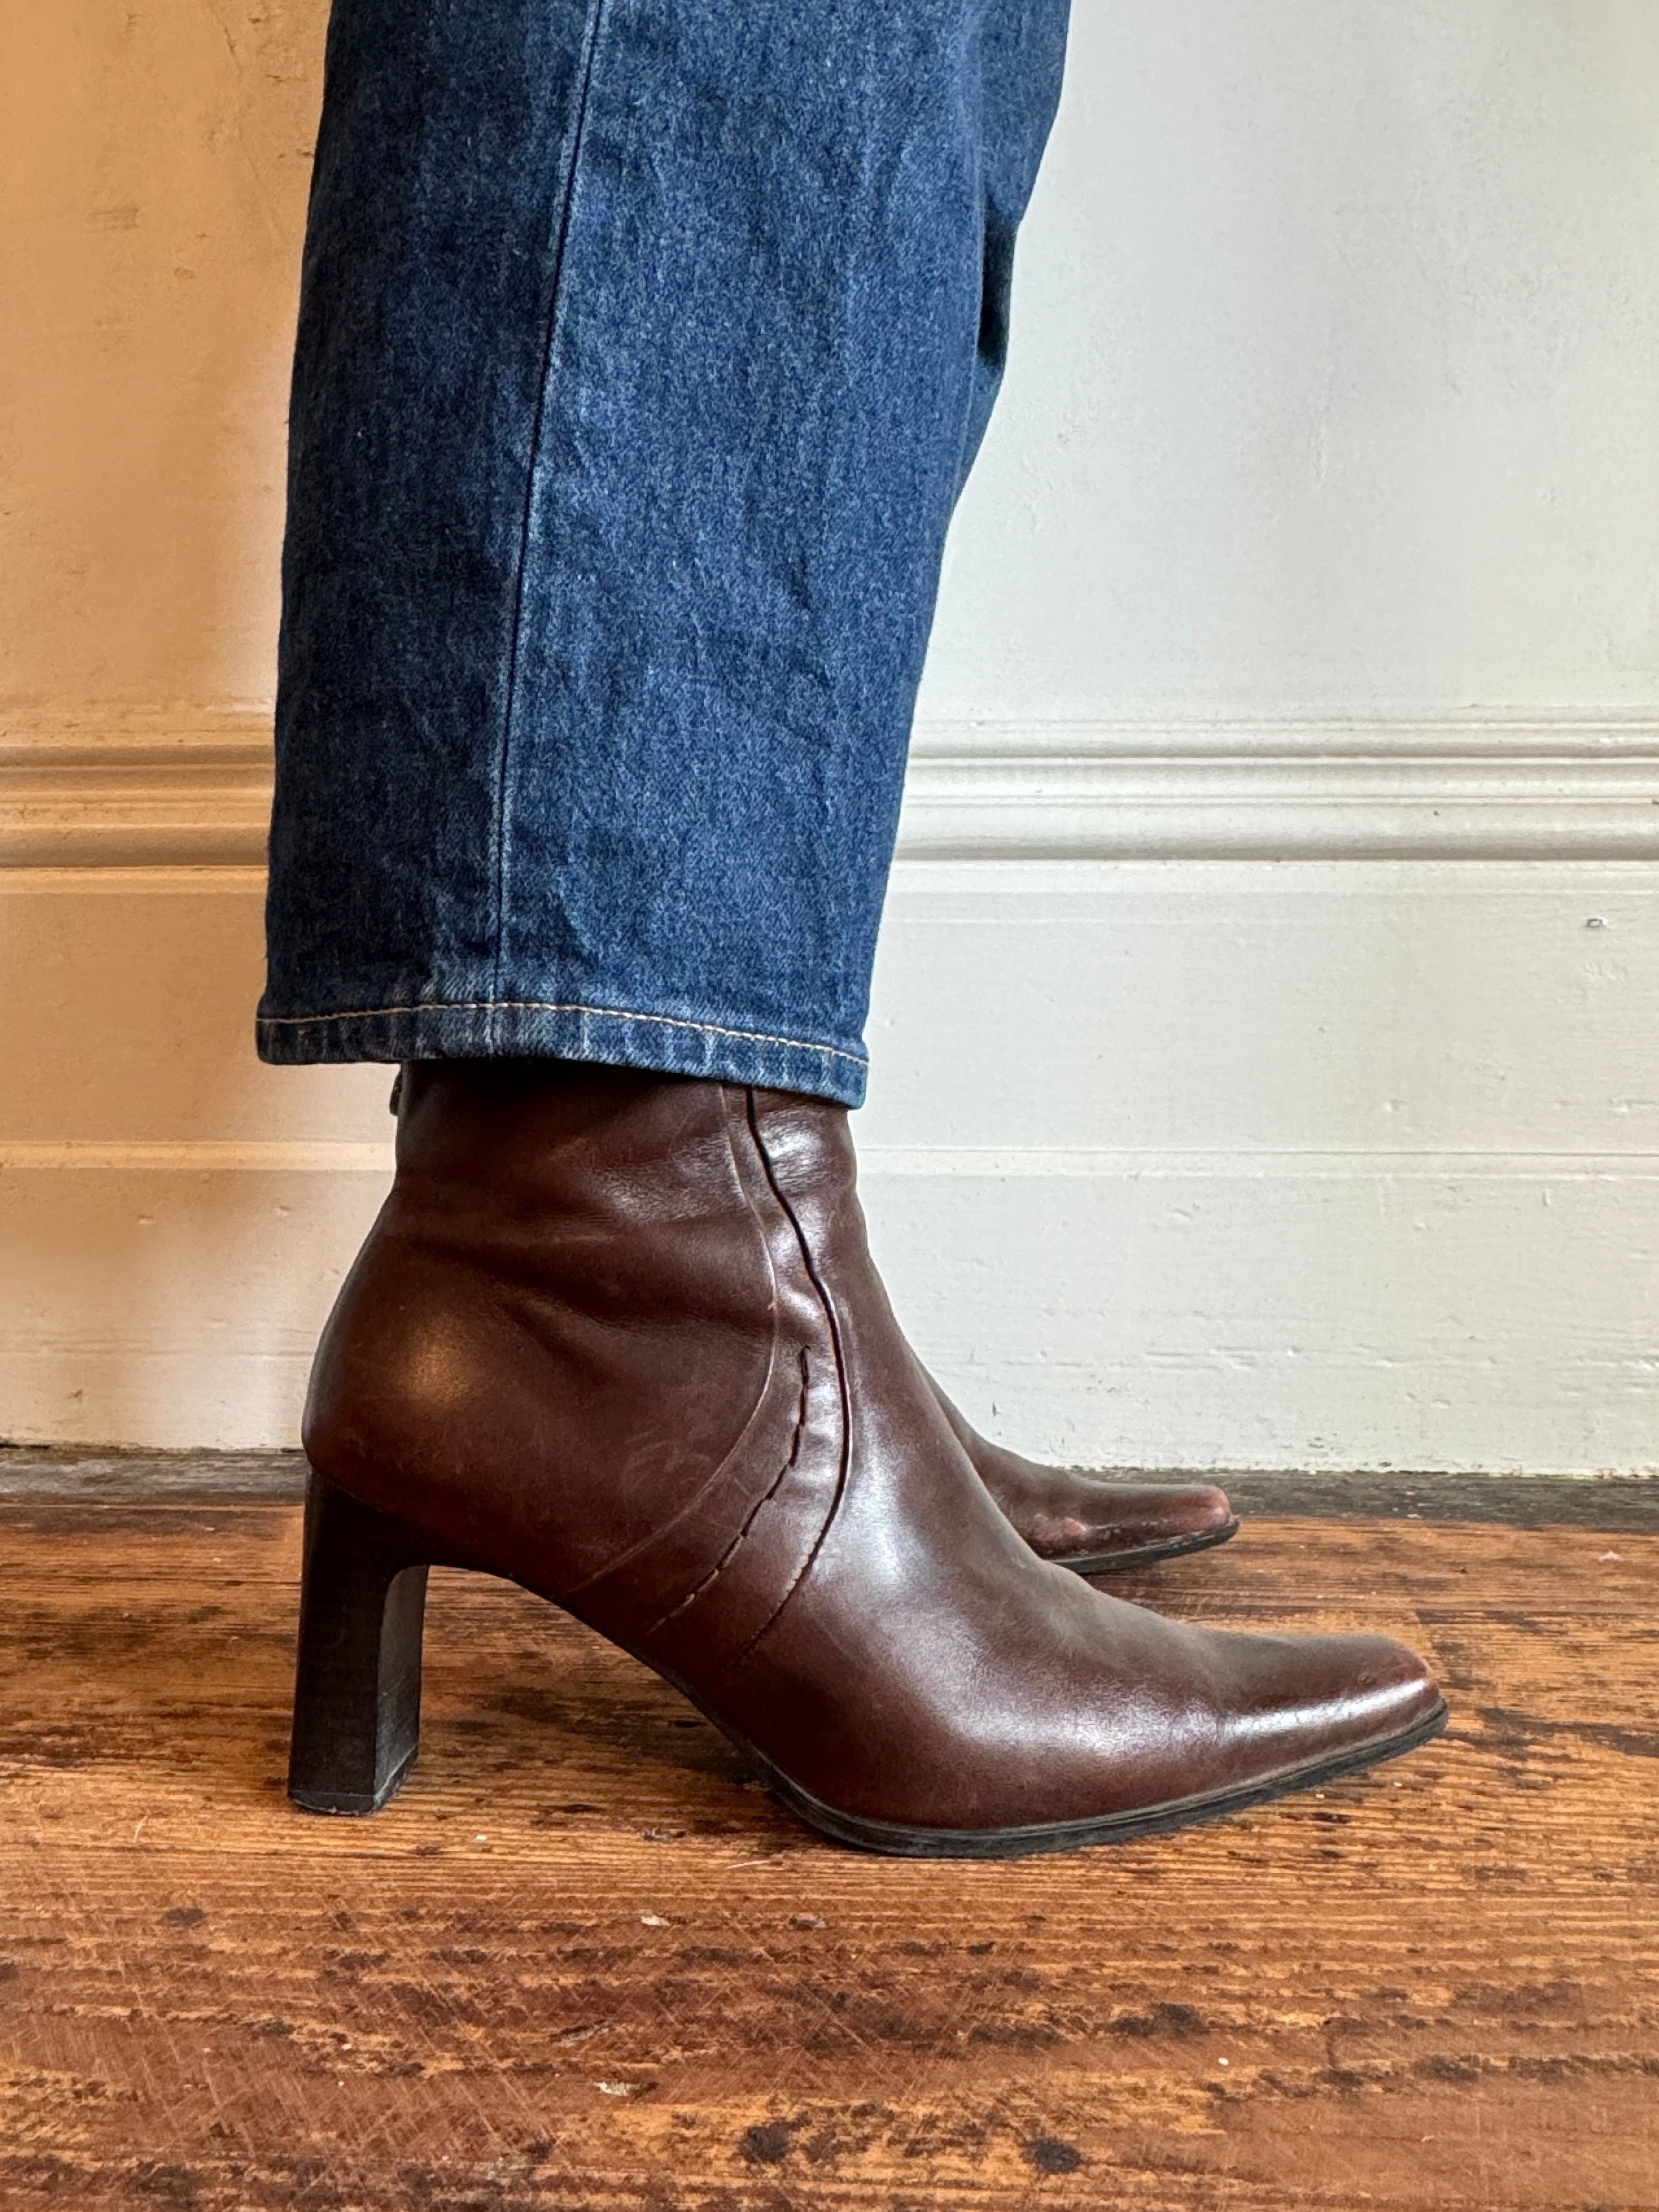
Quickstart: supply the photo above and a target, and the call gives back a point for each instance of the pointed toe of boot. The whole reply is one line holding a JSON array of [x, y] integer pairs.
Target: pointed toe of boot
[[1316, 1706], [1092, 1522], [1179, 1515], [1096, 1525], [1253, 1718], [1204, 1509]]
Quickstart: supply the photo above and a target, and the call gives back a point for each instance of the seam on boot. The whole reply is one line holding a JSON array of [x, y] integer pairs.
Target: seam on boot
[[844, 1469], [753, 1515]]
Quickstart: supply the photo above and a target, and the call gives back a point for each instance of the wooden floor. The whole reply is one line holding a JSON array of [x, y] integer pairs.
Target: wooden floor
[[584, 1963]]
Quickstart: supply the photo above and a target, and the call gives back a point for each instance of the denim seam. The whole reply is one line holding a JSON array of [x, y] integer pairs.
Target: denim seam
[[554, 1006], [556, 297]]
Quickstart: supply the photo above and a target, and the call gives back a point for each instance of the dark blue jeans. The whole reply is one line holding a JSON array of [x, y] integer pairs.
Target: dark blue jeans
[[643, 347]]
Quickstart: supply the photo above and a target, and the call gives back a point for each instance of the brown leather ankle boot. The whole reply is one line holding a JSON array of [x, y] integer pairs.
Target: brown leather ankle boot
[[617, 1338], [1091, 1522]]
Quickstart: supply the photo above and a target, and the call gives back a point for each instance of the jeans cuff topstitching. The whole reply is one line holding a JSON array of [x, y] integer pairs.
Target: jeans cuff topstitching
[[439, 1006]]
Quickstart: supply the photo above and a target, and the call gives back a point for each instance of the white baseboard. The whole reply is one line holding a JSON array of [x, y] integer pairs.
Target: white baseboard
[[155, 788], [1460, 1313], [1305, 788], [134, 787], [1173, 1158]]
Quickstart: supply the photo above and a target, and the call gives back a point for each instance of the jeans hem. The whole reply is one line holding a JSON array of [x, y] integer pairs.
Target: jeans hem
[[529, 1029]]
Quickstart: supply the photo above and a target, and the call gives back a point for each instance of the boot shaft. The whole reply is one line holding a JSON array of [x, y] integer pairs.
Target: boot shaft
[[586, 1316]]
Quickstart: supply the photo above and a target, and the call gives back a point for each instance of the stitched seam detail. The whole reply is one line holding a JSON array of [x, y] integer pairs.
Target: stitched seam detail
[[841, 1472], [752, 1516], [554, 1006], [556, 300], [694, 1502]]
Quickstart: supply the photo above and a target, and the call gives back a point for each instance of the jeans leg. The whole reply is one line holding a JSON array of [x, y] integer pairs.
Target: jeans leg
[[643, 347]]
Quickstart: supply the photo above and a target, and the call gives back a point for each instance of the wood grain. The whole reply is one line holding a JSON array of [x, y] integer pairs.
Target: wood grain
[[584, 1964]]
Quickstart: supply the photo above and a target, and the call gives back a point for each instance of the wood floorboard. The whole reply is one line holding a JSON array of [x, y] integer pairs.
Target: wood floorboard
[[585, 1964]]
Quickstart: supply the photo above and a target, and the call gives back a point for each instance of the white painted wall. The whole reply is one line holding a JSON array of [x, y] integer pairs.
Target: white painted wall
[[1332, 377], [1264, 1061]]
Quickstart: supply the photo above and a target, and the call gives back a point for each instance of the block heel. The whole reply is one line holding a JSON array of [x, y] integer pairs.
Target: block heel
[[357, 1680]]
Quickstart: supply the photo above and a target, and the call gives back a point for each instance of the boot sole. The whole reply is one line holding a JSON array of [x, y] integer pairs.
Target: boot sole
[[1148, 1555], [892, 1840]]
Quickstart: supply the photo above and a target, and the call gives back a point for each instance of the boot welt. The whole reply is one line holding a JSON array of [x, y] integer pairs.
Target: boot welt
[[895, 1841], [1147, 1555]]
